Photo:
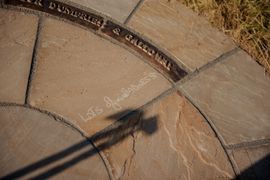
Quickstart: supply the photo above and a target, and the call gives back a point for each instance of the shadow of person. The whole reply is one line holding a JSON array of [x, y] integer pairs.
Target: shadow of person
[[123, 127], [132, 122]]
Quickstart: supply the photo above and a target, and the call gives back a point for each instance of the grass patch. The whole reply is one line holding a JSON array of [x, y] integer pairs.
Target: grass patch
[[246, 21]]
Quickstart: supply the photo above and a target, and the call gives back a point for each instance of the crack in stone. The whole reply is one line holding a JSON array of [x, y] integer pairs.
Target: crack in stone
[[134, 137], [128, 162], [179, 154], [124, 169]]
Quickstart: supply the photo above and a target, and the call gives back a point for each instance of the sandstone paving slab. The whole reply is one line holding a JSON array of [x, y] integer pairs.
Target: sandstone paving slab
[[17, 37], [168, 139], [86, 78], [234, 94], [32, 141], [117, 9], [185, 35], [253, 162]]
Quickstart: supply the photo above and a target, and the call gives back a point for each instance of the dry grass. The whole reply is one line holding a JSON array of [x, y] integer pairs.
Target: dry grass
[[246, 21]]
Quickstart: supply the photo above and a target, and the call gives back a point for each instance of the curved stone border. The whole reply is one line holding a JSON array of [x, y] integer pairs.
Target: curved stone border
[[67, 123], [151, 53]]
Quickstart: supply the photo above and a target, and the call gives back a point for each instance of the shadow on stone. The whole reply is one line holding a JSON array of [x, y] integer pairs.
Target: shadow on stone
[[258, 171], [104, 139]]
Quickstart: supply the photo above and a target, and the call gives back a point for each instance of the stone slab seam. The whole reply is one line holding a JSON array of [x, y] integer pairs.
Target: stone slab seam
[[67, 124], [50, 114], [139, 4], [249, 144], [207, 66], [228, 148], [245, 146], [235, 165], [231, 154], [176, 85], [33, 61], [223, 57]]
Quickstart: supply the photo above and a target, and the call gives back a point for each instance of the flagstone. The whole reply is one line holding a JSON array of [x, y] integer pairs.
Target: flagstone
[[17, 38], [234, 95], [34, 144], [168, 139], [86, 78], [185, 35], [116, 9]]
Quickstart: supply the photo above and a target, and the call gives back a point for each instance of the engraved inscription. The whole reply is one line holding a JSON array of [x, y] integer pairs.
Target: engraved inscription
[[155, 56], [77, 14], [148, 50], [142, 45], [63, 10], [36, 2], [136, 42], [117, 31]]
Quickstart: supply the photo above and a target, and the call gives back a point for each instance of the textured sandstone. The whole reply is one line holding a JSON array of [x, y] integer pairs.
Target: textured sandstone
[[167, 140], [85, 78], [234, 94], [28, 136], [188, 37], [17, 37]]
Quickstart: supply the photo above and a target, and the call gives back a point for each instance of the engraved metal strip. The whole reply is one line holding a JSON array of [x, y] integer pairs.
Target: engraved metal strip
[[62, 10], [150, 52]]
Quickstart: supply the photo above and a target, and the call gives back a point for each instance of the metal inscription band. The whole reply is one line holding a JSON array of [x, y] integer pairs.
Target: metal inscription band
[[95, 22], [155, 56], [63, 10]]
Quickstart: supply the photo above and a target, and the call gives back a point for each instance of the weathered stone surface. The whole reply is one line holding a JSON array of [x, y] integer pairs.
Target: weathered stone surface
[[234, 94], [167, 140], [17, 37], [188, 37], [117, 9], [28, 136], [253, 163], [86, 78]]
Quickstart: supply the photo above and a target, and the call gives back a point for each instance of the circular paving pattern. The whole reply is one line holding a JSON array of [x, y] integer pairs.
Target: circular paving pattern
[[158, 92], [35, 145]]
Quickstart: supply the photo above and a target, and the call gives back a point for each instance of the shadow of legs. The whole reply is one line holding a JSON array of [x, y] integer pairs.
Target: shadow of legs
[[109, 137]]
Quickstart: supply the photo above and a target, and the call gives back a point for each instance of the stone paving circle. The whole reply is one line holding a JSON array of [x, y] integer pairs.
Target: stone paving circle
[[139, 89]]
